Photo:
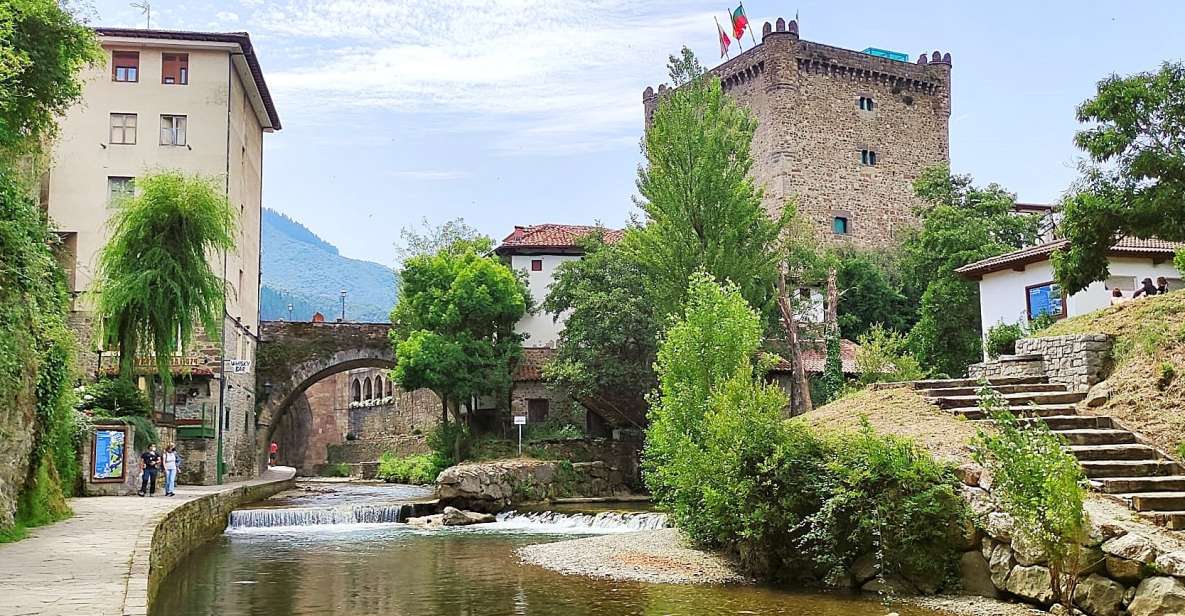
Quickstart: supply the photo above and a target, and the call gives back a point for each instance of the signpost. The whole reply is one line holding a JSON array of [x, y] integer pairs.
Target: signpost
[[520, 421]]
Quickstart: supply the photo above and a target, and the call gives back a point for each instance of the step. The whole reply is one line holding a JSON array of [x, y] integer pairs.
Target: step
[[1039, 398], [1046, 410], [1157, 501], [1107, 469], [1131, 485], [1172, 520], [1003, 389], [1115, 452], [1071, 422], [947, 383], [1097, 437]]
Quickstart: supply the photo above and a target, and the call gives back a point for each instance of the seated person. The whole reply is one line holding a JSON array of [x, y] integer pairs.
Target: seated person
[[1117, 296], [1146, 289], [1162, 285]]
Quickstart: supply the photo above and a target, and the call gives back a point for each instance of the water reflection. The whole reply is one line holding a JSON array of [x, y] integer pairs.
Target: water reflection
[[390, 570]]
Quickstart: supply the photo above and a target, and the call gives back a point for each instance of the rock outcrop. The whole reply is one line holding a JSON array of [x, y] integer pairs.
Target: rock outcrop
[[494, 486], [451, 516]]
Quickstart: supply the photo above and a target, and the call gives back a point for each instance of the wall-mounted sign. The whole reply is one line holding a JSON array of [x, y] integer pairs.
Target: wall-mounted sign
[[239, 366], [109, 455], [1045, 298]]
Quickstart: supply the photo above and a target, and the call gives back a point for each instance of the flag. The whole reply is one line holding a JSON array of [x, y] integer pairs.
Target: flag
[[724, 40], [739, 22]]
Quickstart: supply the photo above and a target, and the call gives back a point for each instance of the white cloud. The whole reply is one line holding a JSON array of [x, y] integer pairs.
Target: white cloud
[[226, 16]]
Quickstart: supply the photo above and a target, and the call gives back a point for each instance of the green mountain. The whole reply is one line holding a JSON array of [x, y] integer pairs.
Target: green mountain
[[301, 269]]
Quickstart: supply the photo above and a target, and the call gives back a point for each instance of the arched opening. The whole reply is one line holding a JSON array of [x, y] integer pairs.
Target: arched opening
[[356, 391], [378, 387], [367, 390], [389, 388]]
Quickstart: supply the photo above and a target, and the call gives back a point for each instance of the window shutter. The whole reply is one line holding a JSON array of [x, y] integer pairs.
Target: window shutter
[[166, 130]]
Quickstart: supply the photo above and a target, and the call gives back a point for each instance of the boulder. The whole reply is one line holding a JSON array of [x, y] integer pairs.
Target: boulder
[[1031, 583], [865, 568], [969, 473], [1102, 531], [975, 577], [979, 500], [891, 584], [1172, 563], [1099, 596], [1098, 395], [1159, 596], [999, 526], [1132, 547], [1000, 564], [455, 517], [1027, 552]]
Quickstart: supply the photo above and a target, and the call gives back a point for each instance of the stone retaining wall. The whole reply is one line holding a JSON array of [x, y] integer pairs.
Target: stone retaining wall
[[1008, 366], [494, 486], [1075, 361], [1131, 574], [171, 538], [368, 450]]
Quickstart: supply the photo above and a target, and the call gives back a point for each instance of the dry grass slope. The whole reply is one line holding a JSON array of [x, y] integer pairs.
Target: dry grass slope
[[1147, 384]]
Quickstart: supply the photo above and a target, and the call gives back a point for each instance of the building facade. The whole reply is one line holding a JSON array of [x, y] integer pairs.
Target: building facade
[[841, 133], [195, 102]]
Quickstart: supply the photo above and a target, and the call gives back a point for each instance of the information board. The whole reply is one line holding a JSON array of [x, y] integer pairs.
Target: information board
[[1045, 299], [108, 454]]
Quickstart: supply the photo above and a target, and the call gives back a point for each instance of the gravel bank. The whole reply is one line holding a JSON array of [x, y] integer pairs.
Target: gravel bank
[[657, 556]]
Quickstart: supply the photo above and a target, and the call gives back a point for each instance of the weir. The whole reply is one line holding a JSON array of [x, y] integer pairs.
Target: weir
[[318, 516], [603, 521]]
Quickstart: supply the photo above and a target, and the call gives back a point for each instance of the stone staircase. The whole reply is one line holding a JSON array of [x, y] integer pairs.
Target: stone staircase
[[1115, 460]]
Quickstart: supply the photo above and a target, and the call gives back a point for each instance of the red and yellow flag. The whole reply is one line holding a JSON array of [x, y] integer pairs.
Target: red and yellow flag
[[739, 22]]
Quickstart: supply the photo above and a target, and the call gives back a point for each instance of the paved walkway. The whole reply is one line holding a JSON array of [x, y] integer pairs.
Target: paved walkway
[[82, 566]]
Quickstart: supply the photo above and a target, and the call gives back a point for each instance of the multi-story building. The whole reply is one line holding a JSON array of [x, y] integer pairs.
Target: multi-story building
[[841, 133], [195, 102]]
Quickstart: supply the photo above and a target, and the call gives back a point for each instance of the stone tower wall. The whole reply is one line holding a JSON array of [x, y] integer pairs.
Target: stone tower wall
[[811, 130]]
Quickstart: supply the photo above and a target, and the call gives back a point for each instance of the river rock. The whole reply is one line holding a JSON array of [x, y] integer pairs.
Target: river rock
[[999, 526], [455, 517], [1132, 547], [979, 500], [1099, 596], [975, 576], [1000, 564], [864, 568], [1159, 596], [1172, 563], [1027, 552], [969, 473], [1032, 583]]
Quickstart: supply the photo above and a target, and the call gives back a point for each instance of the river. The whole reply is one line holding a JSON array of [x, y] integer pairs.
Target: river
[[339, 553]]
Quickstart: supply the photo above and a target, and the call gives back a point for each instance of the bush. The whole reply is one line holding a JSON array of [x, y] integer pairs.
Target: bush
[[552, 429], [884, 357], [340, 469], [115, 398], [418, 469], [450, 439], [1002, 337], [787, 501]]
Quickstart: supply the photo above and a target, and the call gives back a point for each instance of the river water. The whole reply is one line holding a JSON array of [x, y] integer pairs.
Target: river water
[[300, 560]]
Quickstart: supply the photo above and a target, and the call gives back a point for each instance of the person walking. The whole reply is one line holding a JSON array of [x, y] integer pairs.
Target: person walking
[[273, 453], [149, 463], [172, 464]]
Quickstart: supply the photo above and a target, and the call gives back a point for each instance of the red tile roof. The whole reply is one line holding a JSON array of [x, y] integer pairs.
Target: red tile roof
[[552, 236], [814, 357], [530, 367], [1125, 247]]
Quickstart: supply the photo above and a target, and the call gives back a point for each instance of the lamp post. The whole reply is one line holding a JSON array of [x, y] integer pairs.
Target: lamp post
[[343, 305], [290, 312]]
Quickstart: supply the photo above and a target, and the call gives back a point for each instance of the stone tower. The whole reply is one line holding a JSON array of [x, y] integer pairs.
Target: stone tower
[[842, 133]]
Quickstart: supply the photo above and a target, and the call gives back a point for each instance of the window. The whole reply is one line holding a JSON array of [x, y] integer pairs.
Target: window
[[123, 128], [125, 66], [536, 265], [866, 104], [367, 389], [120, 189], [868, 157], [1045, 298], [537, 409], [174, 69], [172, 130], [839, 225], [356, 388]]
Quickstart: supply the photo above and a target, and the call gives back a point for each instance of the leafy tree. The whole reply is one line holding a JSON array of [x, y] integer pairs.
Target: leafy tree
[[453, 235], [42, 49], [961, 223], [454, 326], [871, 293], [605, 356], [884, 357], [832, 367], [156, 285], [1134, 182], [701, 210]]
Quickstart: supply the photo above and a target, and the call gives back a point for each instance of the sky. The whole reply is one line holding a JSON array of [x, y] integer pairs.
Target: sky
[[518, 112]]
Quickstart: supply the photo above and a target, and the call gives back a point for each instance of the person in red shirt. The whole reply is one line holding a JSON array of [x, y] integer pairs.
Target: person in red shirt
[[272, 452]]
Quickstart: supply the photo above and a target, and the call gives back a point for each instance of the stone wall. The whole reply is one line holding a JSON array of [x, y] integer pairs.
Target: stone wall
[[17, 418], [187, 527], [811, 130], [354, 452], [494, 486], [560, 407], [625, 456], [1075, 361], [1131, 573], [1008, 366]]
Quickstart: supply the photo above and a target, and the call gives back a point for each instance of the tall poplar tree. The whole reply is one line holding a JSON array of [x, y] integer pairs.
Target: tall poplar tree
[[701, 209]]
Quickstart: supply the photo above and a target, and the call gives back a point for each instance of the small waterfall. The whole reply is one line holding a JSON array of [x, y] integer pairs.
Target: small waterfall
[[314, 516], [605, 521]]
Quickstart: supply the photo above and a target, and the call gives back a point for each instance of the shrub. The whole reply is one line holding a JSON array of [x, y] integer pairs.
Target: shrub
[[115, 398], [884, 357], [552, 429], [1042, 322], [418, 469], [451, 442], [1041, 486], [1002, 337], [1165, 373], [340, 469]]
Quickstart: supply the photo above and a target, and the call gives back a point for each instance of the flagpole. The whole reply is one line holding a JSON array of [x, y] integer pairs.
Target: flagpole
[[748, 24], [740, 45], [719, 33]]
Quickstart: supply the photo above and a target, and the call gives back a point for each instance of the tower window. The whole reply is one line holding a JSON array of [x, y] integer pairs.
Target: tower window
[[868, 158], [125, 66], [866, 104], [839, 225]]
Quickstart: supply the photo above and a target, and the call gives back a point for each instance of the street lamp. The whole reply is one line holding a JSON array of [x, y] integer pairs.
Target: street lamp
[[290, 312], [343, 305]]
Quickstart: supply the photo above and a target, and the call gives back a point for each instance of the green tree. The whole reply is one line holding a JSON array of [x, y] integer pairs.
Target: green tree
[[452, 235], [1134, 182], [871, 293], [605, 356], [701, 209], [156, 285], [961, 223], [454, 326], [42, 49]]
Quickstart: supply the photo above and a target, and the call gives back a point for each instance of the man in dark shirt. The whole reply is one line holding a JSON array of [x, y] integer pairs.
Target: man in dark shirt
[[150, 462]]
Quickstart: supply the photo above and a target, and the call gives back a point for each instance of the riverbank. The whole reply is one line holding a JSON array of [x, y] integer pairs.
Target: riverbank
[[664, 557], [104, 559]]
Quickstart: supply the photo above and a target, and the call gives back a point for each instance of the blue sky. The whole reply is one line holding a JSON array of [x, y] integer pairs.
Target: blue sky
[[509, 112]]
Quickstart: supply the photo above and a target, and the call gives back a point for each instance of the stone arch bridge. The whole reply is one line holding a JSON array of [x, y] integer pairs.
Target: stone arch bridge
[[292, 356]]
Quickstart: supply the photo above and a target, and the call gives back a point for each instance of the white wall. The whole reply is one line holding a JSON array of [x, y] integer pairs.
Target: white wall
[[1002, 293], [540, 327]]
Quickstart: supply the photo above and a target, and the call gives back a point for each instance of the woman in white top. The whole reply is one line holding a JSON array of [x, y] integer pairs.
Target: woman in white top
[[172, 463]]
